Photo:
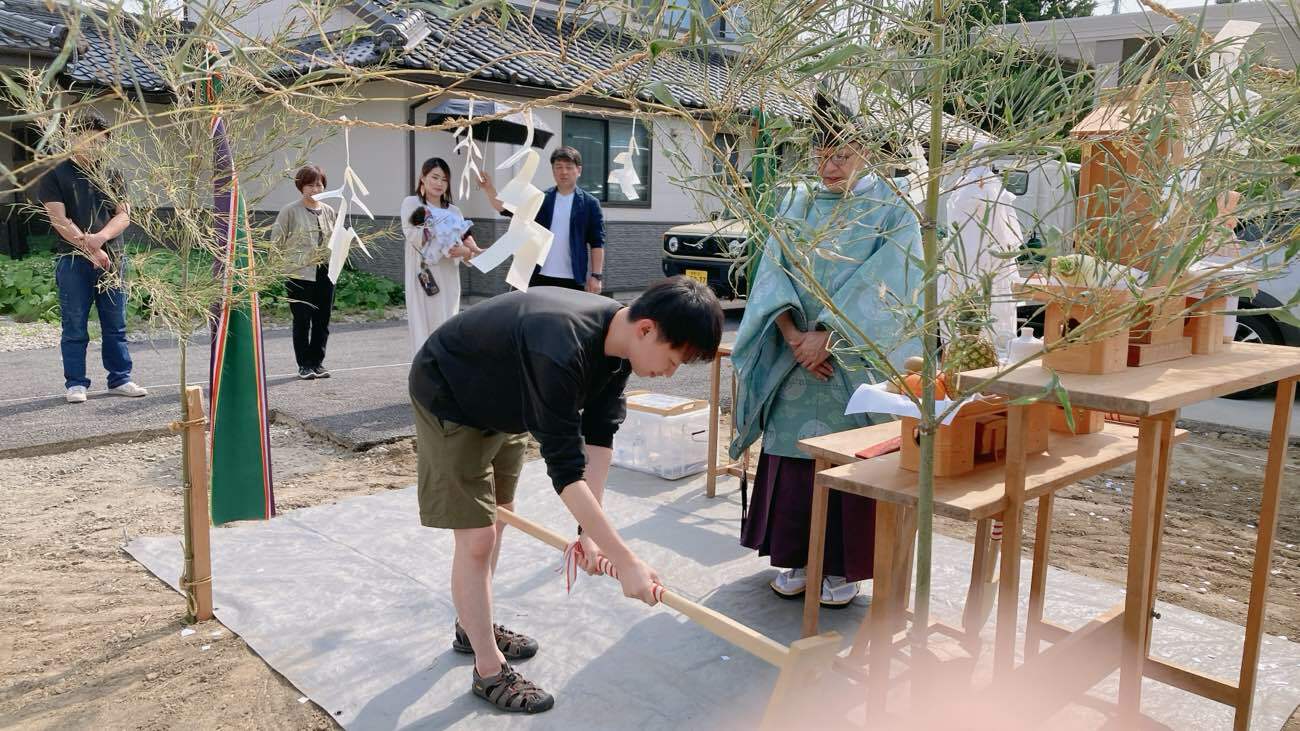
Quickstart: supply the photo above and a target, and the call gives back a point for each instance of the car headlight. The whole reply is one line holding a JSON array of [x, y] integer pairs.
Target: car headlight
[[673, 244]]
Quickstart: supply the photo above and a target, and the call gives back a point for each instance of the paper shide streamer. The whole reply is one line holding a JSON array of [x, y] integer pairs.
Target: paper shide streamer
[[625, 176], [343, 235], [525, 240]]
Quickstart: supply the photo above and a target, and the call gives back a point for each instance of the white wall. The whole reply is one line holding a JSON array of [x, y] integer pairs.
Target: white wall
[[379, 157], [266, 18]]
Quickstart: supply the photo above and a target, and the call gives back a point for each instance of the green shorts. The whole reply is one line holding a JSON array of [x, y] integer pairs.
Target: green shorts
[[464, 473]]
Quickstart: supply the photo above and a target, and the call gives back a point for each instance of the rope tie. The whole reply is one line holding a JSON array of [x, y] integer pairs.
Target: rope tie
[[182, 425], [570, 563]]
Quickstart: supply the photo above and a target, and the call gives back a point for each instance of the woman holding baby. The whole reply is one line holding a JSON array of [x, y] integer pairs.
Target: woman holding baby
[[437, 241]]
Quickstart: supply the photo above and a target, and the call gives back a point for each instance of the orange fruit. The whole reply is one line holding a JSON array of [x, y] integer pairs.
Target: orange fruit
[[912, 385]]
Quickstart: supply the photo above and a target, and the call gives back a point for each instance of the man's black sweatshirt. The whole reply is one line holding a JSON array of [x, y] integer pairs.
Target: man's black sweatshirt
[[529, 362]]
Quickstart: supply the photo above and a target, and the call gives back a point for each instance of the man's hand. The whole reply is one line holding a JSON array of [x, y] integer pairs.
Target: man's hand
[[93, 241], [638, 580], [594, 285], [802, 343], [590, 554], [486, 185], [100, 259], [459, 251], [811, 351]]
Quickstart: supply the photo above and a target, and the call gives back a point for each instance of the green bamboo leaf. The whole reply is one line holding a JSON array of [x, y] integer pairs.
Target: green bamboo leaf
[[1284, 314], [831, 60], [661, 92], [474, 7], [1062, 396], [660, 45]]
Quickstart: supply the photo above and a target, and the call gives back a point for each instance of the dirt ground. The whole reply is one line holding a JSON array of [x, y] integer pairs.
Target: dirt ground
[[92, 640]]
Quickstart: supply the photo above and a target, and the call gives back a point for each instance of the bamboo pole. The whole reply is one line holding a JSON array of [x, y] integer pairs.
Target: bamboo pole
[[929, 339], [755, 643]]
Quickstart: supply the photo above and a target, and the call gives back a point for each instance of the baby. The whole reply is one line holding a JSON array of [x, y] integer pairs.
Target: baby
[[445, 229]]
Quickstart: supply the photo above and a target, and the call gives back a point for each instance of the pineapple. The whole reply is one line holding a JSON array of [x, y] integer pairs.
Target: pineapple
[[969, 349]]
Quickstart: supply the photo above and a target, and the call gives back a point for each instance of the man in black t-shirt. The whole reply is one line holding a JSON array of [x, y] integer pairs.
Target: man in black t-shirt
[[552, 362], [89, 222]]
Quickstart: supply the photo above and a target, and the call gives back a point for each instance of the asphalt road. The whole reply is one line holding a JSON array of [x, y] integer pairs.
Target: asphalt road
[[362, 405]]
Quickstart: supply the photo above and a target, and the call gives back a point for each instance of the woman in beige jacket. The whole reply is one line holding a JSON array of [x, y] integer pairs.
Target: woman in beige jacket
[[302, 230]]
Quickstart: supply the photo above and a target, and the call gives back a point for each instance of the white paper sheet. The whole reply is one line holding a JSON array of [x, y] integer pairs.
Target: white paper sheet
[[874, 399]]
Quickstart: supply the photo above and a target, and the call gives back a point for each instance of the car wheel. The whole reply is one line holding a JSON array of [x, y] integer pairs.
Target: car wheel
[[1262, 330]]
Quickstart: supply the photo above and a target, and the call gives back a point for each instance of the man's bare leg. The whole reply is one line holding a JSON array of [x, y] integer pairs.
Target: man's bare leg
[[501, 528], [471, 593]]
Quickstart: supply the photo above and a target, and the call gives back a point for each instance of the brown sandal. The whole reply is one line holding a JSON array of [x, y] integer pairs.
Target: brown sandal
[[509, 691], [511, 644]]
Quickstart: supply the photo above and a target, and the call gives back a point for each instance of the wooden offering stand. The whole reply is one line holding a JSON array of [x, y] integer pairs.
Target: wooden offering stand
[[1121, 638]]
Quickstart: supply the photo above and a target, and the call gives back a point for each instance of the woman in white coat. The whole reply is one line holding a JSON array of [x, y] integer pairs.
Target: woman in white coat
[[437, 239]]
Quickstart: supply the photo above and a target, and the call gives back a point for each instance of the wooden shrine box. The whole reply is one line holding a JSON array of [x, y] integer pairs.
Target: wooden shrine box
[[1065, 310], [977, 435], [1205, 328], [1123, 165], [1159, 336]]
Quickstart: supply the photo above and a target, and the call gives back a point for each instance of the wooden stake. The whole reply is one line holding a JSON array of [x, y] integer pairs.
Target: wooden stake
[[197, 580]]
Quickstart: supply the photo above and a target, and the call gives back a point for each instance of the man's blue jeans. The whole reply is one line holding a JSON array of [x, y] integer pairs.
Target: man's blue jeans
[[78, 281]]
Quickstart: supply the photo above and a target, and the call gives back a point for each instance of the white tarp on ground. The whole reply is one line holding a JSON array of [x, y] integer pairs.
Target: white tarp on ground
[[349, 601]]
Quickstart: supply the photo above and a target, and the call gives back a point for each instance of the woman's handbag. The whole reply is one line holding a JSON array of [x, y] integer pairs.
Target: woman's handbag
[[427, 281]]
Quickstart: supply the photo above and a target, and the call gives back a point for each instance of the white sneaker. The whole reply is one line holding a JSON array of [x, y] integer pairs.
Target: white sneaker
[[790, 583], [76, 395], [838, 591], [129, 389]]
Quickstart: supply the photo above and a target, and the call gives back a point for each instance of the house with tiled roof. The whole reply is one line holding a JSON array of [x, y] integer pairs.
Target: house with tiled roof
[[538, 53]]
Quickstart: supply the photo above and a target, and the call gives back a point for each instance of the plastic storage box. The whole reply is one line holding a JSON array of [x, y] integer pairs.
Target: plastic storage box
[[663, 435]]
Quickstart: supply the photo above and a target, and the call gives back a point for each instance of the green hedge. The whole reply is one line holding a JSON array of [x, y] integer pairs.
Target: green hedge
[[28, 292]]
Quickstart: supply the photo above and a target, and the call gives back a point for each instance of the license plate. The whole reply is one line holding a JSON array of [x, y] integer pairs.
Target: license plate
[[698, 275]]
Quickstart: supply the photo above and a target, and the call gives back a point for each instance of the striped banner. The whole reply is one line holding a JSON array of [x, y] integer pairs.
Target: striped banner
[[241, 445]]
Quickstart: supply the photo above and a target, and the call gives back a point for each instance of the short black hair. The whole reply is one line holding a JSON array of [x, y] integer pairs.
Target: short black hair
[[308, 174], [568, 154], [87, 119], [686, 312]]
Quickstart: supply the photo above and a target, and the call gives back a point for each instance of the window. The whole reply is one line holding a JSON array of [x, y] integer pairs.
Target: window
[[730, 151], [599, 140]]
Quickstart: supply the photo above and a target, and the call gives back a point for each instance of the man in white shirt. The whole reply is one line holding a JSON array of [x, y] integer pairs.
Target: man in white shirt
[[577, 256]]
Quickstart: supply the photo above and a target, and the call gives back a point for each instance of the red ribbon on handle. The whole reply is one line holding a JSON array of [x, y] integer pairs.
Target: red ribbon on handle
[[573, 553]]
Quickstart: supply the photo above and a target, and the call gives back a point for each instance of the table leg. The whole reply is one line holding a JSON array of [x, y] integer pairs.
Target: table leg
[[878, 626], [1268, 510], [904, 553], [1137, 597], [816, 552], [973, 615], [1038, 578], [1004, 645], [1158, 529], [711, 475]]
